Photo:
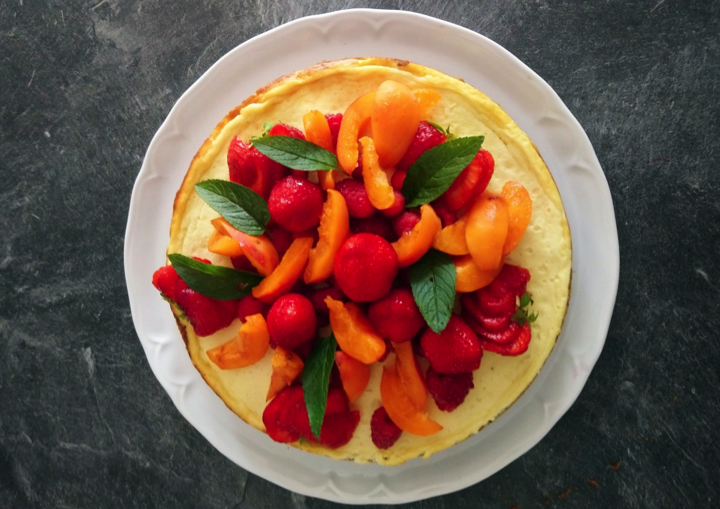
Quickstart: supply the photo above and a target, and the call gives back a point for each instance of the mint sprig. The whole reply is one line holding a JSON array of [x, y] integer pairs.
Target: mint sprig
[[436, 169], [214, 281], [432, 279], [523, 315], [242, 207], [295, 153], [316, 380]]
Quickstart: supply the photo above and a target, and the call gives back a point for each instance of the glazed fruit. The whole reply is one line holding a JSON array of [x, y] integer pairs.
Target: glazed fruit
[[206, 315], [395, 119], [286, 274], [259, 250], [356, 198], [317, 297], [472, 181], [353, 332], [377, 225], [365, 267], [247, 348], [296, 204], [249, 305], [383, 431], [405, 222], [448, 391], [250, 168], [486, 231], [397, 207], [396, 316], [411, 246], [426, 137], [291, 321], [353, 374], [455, 350], [334, 229], [286, 367]]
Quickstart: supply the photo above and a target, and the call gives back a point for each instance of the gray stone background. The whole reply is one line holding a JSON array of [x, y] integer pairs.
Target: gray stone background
[[84, 86]]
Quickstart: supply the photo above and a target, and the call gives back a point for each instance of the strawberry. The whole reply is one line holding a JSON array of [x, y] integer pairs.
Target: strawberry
[[396, 316], [291, 321], [249, 305], [317, 297], [296, 204], [448, 391], [293, 132], [280, 237], [365, 267], [374, 224], [250, 168], [356, 198], [516, 347], [206, 315], [276, 418], [455, 350], [334, 121], [405, 222], [397, 207], [447, 216], [165, 279], [242, 263], [471, 182], [383, 431], [426, 138]]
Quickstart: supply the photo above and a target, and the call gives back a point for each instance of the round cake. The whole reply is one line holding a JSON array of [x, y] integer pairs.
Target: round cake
[[458, 112]]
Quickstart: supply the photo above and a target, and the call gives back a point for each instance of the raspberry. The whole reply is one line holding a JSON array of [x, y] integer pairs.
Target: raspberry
[[295, 204], [397, 207], [286, 130], [396, 316], [426, 138], [448, 391], [447, 216], [384, 432], [365, 267], [280, 237], [242, 263], [317, 297], [334, 121], [206, 315], [291, 321], [356, 197], [165, 279], [247, 166], [376, 224], [249, 305], [405, 222], [455, 350]]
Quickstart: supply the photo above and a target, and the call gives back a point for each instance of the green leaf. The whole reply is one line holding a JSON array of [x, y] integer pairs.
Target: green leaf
[[432, 280], [267, 126], [443, 130], [435, 170], [295, 153], [316, 380], [522, 314], [243, 208], [213, 281]]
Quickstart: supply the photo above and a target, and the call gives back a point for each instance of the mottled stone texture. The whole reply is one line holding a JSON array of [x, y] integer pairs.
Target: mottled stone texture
[[83, 87]]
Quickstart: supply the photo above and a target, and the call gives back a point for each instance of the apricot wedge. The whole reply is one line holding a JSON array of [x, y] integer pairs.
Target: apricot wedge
[[353, 332], [451, 239], [395, 120], [427, 99], [413, 245], [282, 279], [519, 211], [470, 277], [486, 230], [334, 229], [377, 183], [287, 366], [408, 372], [354, 375], [259, 249], [401, 409], [223, 245], [355, 120], [247, 348]]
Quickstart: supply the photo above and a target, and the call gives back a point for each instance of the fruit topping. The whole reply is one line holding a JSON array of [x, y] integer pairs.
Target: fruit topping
[[356, 198], [276, 416], [258, 249], [383, 431], [426, 137], [451, 239], [377, 184], [291, 321], [247, 348], [296, 204], [396, 316], [286, 130], [519, 211], [206, 315], [365, 267], [247, 166], [377, 225], [397, 206], [472, 181], [486, 230], [334, 121], [249, 305], [223, 245], [354, 333], [353, 122], [447, 216], [401, 409], [469, 277], [395, 119], [353, 374], [405, 222], [280, 238], [317, 131], [165, 279], [410, 247], [455, 350], [286, 367], [242, 263], [333, 231], [448, 391], [427, 99], [282, 279]]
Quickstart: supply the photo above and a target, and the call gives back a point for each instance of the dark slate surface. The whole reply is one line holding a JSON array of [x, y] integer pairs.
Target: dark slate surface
[[83, 87]]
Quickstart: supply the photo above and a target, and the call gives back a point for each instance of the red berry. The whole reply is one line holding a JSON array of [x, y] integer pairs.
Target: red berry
[[249, 305], [448, 391], [375, 224], [396, 316], [447, 216], [276, 415], [242, 263], [516, 347], [398, 179], [247, 166], [317, 297], [291, 321], [455, 350], [356, 197], [471, 182], [487, 322], [334, 121], [165, 279], [280, 237], [206, 315], [426, 138], [397, 207], [405, 222], [296, 204], [512, 279], [365, 267], [338, 429], [384, 432], [286, 130], [304, 350]]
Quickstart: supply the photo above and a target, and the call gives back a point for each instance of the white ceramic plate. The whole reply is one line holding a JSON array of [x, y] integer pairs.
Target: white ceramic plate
[[537, 110]]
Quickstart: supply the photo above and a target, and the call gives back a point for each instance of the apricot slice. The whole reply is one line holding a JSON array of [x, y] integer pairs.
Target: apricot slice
[[223, 245], [259, 249], [317, 130], [519, 210], [377, 183], [287, 366], [401, 409], [470, 277], [395, 120], [408, 372], [413, 245], [353, 332], [282, 279], [451, 239], [486, 230], [354, 120], [427, 99], [333, 231], [353, 374], [247, 348]]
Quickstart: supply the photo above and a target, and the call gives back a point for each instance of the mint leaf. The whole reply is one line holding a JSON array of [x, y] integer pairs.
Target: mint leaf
[[267, 126], [522, 314], [432, 279], [316, 380], [435, 170], [242, 207], [213, 281], [295, 153]]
